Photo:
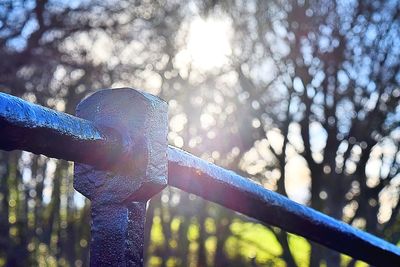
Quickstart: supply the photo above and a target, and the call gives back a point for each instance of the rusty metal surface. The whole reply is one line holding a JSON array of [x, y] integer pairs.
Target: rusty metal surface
[[119, 195], [199, 177], [40, 130]]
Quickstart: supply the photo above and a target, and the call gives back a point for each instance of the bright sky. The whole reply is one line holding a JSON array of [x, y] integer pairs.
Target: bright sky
[[209, 42], [207, 45]]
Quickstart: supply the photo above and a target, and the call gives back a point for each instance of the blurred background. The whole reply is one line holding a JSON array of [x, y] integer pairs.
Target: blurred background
[[300, 96]]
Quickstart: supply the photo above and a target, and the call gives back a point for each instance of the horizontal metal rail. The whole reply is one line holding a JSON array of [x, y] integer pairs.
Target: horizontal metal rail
[[40, 130], [235, 192]]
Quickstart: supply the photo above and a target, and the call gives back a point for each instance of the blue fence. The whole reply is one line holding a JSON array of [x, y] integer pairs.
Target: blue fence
[[118, 142]]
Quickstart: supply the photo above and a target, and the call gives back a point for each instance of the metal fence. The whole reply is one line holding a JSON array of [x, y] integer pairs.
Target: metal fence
[[118, 142]]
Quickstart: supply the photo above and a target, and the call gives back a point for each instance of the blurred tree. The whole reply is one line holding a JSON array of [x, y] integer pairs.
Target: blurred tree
[[302, 96], [334, 68], [54, 53]]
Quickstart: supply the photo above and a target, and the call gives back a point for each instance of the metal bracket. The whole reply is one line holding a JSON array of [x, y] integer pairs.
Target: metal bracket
[[118, 197]]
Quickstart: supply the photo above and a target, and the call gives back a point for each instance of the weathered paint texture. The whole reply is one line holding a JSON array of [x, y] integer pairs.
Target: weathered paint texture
[[140, 169], [119, 196], [135, 240]]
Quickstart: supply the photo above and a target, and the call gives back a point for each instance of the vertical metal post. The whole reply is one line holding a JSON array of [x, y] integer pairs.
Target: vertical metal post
[[108, 231], [135, 235], [117, 234], [119, 195]]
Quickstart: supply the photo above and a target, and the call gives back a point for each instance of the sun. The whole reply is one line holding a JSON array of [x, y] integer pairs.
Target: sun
[[208, 43]]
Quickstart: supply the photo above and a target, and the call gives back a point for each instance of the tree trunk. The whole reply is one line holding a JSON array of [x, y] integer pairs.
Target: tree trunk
[[201, 255]]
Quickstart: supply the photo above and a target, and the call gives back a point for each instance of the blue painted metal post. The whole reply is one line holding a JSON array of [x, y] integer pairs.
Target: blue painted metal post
[[119, 196], [135, 236]]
